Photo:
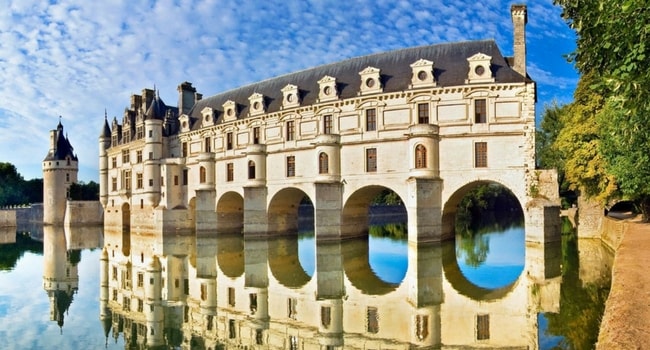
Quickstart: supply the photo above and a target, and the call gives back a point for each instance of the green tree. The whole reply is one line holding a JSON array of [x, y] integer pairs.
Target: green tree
[[612, 37], [579, 144], [11, 185], [547, 153]]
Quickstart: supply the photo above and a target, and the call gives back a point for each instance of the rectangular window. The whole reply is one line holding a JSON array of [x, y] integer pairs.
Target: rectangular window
[[139, 132], [231, 296], [371, 119], [175, 180], [125, 156], [423, 113], [140, 279], [252, 300], [292, 304], [114, 273], [126, 177], [480, 111], [291, 166], [231, 329], [204, 291], [138, 181], [290, 130], [230, 172], [114, 140], [327, 124], [185, 179], [184, 149], [114, 162], [150, 182], [140, 305], [126, 136], [482, 327], [150, 155], [138, 156], [325, 316], [373, 320], [371, 160], [229, 140], [480, 155], [113, 184], [256, 135]]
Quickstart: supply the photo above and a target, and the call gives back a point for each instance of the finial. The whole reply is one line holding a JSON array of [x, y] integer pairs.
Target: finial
[[105, 114]]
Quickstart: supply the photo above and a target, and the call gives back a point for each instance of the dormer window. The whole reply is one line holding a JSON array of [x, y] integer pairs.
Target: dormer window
[[422, 74], [479, 69], [208, 116], [291, 98], [184, 120], [256, 103], [370, 81], [327, 86], [230, 110]]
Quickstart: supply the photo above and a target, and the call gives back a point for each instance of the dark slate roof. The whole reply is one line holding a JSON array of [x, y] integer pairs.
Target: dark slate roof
[[157, 109], [450, 69], [63, 147], [106, 130]]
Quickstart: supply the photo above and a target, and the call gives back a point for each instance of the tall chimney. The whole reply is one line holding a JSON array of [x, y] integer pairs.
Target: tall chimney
[[519, 20], [186, 97]]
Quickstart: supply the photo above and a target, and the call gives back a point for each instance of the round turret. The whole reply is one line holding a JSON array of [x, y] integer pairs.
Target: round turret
[[60, 168]]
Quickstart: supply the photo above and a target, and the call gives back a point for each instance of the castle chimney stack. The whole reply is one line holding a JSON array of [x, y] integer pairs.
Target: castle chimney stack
[[519, 20]]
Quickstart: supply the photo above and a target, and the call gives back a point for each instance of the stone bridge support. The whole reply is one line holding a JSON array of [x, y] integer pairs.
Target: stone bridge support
[[327, 210], [255, 213], [424, 209]]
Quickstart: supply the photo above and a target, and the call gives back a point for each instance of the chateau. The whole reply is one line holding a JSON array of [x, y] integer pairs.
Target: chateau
[[428, 123]]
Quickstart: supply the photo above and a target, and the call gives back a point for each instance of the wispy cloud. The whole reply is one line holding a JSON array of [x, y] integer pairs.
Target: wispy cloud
[[75, 58]]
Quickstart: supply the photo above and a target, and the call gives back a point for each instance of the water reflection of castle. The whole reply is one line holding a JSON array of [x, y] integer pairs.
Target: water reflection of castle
[[210, 292], [61, 254]]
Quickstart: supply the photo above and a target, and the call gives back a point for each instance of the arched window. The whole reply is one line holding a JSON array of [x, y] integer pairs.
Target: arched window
[[202, 175], [323, 163], [420, 157], [251, 169]]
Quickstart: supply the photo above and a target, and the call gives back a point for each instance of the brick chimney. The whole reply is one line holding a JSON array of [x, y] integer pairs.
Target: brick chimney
[[519, 20], [186, 97]]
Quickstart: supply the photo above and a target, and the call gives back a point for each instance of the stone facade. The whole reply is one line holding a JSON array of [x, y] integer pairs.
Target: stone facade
[[428, 123]]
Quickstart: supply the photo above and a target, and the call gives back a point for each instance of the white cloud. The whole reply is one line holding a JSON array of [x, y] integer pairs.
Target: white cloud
[[75, 58]]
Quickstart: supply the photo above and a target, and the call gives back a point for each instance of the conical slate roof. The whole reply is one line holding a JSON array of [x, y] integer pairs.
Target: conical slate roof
[[63, 148]]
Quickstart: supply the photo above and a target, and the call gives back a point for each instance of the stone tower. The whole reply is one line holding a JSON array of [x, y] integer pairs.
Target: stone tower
[[104, 143], [60, 168]]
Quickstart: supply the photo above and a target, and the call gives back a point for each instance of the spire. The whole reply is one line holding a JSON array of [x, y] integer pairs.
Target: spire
[[106, 130]]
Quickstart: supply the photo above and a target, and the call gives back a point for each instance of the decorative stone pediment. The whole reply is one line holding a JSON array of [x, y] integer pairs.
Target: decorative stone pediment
[[291, 97], [256, 104], [229, 110], [480, 69], [422, 74], [370, 81], [327, 89]]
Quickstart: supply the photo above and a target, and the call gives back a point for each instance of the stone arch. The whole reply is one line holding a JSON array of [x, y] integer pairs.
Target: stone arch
[[284, 262], [230, 255], [356, 264], [355, 215], [450, 207], [230, 213], [283, 210], [462, 285]]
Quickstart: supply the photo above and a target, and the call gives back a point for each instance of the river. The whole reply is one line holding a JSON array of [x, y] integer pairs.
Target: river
[[89, 289]]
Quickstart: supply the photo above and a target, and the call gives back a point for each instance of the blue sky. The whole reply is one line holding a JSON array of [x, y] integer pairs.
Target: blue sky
[[77, 58]]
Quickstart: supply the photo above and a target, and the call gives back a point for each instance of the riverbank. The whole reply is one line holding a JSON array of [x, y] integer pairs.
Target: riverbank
[[626, 320]]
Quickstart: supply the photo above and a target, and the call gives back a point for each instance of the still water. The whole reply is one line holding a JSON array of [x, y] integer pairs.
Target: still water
[[88, 289]]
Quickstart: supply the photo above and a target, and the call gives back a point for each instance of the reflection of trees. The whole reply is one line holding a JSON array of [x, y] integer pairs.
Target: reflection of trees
[[394, 231], [474, 249], [488, 208], [581, 306], [10, 253]]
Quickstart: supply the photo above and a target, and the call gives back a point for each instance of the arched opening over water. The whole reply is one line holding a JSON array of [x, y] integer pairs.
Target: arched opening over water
[[360, 273], [230, 211], [372, 206], [126, 229], [230, 255], [490, 244], [285, 264], [284, 211]]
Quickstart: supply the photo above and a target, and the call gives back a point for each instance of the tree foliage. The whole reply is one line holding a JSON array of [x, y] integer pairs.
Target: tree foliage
[[612, 37], [11, 186]]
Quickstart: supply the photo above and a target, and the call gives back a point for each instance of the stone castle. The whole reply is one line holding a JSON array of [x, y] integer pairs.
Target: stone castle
[[429, 123]]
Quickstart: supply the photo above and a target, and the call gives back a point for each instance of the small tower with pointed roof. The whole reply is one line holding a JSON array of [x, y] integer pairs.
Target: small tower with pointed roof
[[104, 143], [60, 168]]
